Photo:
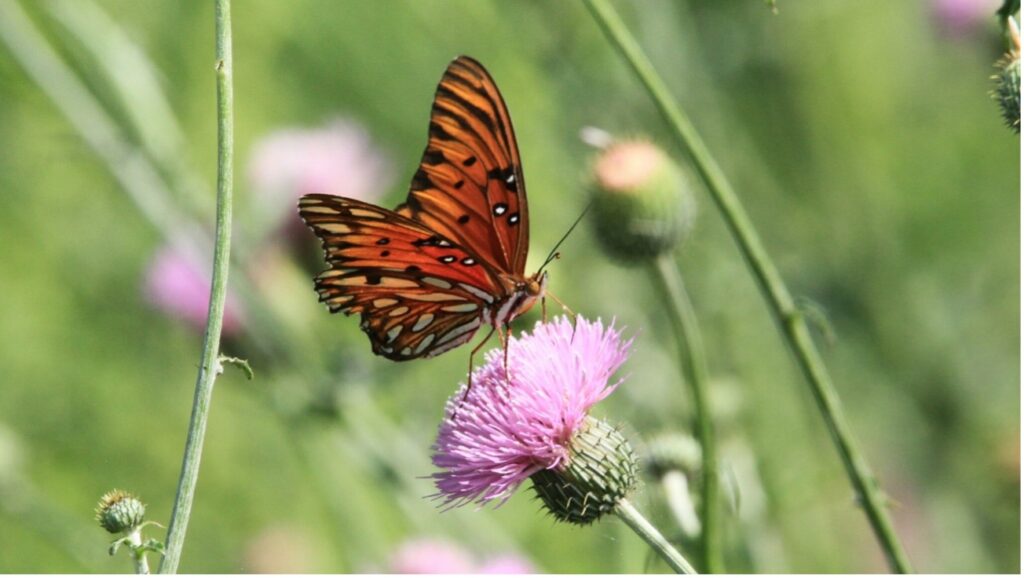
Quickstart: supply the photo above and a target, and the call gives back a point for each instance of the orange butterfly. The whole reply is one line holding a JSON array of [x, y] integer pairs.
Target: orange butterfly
[[427, 275]]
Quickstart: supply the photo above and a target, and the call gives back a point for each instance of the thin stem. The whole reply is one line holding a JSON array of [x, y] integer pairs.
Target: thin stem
[[653, 537], [780, 302], [138, 555], [691, 353], [209, 364]]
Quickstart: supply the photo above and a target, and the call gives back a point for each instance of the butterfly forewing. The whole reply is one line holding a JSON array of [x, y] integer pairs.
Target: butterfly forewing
[[469, 186]]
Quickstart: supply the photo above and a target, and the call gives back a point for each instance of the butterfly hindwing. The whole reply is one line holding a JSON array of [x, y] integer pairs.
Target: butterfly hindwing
[[469, 186], [418, 293]]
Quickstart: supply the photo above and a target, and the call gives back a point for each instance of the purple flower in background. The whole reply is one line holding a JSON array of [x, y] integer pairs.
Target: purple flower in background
[[339, 158], [430, 556], [958, 18], [507, 564], [180, 287], [503, 431], [434, 556]]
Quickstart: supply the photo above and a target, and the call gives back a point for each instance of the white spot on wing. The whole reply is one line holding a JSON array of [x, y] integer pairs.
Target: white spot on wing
[[437, 282], [424, 343], [423, 321], [478, 292]]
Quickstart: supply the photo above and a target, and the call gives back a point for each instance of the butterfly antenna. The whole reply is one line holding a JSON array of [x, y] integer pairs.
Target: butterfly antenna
[[554, 252]]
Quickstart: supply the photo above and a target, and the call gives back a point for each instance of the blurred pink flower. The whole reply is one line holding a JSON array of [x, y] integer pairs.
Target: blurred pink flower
[[339, 158], [958, 18], [434, 556], [430, 556], [180, 287], [507, 564], [280, 550], [503, 431]]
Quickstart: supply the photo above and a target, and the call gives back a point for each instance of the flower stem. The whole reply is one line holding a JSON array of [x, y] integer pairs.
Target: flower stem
[[653, 537], [138, 555], [209, 364], [780, 302], [691, 353]]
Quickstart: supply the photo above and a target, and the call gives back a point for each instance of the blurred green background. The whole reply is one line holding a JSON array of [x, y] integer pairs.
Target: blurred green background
[[859, 134]]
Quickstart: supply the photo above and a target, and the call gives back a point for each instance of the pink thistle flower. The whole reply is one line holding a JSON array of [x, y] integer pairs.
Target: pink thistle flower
[[507, 564], [502, 432], [431, 556], [180, 287], [340, 158], [439, 556], [960, 18]]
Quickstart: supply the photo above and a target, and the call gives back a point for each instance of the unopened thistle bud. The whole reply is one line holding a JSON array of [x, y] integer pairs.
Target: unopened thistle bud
[[119, 511], [600, 470], [643, 202], [669, 452], [1007, 90]]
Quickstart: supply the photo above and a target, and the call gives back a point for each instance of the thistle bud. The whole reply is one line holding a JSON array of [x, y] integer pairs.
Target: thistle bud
[[119, 511], [601, 469], [670, 452], [643, 202], [1007, 90]]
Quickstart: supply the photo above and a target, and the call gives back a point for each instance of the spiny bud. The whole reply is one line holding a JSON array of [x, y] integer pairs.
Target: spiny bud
[[600, 471], [672, 451], [119, 511], [1007, 90], [643, 202]]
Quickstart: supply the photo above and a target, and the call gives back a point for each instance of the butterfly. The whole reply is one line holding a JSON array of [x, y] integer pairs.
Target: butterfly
[[427, 275]]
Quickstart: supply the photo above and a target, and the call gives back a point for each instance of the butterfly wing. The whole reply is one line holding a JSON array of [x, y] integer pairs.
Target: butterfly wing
[[469, 186], [419, 293]]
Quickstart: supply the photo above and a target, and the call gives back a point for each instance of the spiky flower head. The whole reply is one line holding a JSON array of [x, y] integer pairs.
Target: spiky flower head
[[643, 202], [1007, 90], [119, 511], [533, 422], [600, 471]]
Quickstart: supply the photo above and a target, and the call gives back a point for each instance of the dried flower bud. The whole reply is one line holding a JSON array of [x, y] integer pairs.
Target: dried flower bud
[[601, 469], [1007, 90], [119, 511], [643, 202]]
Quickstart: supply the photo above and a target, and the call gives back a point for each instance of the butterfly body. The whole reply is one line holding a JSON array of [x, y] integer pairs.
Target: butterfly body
[[426, 276]]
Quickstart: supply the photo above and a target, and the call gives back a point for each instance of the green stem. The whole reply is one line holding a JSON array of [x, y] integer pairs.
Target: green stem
[[691, 353], [780, 302], [653, 537], [209, 364], [138, 555]]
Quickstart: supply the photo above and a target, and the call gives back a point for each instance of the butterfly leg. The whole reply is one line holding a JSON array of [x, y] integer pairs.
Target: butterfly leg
[[504, 336], [469, 382]]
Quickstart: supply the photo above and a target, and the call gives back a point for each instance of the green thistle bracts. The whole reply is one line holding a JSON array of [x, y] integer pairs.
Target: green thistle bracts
[[119, 511], [643, 202], [671, 451], [1007, 90], [601, 470]]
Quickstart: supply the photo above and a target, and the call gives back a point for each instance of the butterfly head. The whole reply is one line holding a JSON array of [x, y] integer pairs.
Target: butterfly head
[[527, 291]]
